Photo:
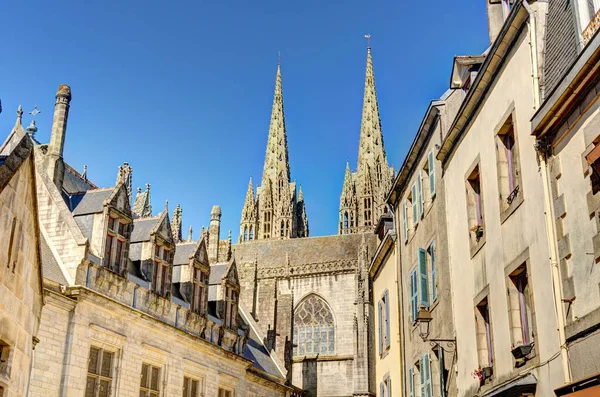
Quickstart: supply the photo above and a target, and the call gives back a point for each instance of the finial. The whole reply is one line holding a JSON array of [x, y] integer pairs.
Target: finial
[[139, 190], [19, 112], [167, 206], [31, 128], [278, 58], [368, 37], [190, 234], [84, 174], [147, 186], [229, 237]]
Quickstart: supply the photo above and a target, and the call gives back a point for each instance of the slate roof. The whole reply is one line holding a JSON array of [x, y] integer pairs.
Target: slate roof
[[183, 252], [216, 273], [74, 182], [50, 267], [142, 228], [299, 251], [256, 351], [90, 202]]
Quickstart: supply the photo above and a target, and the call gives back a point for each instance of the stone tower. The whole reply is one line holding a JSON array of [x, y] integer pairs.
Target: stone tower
[[277, 211], [363, 195]]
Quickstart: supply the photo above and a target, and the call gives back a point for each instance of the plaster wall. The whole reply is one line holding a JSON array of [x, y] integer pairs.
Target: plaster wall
[[474, 276]]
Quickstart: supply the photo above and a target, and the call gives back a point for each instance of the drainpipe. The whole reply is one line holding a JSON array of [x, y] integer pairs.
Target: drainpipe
[[548, 203]]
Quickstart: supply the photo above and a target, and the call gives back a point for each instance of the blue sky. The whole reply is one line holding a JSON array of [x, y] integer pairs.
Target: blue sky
[[182, 90]]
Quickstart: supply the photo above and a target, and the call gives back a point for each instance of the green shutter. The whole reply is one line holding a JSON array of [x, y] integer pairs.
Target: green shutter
[[415, 204], [413, 295], [405, 218], [433, 272], [422, 376], [423, 279], [427, 367], [431, 175], [420, 191], [379, 328]]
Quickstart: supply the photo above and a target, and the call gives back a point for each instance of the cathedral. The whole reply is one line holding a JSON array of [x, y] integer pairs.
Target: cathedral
[[309, 298]]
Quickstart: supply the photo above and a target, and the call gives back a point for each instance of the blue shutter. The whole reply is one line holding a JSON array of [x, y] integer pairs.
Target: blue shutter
[[427, 370], [433, 272], [431, 175], [413, 295], [420, 190], [415, 204], [422, 376], [405, 218], [380, 328], [411, 383], [381, 390], [387, 319], [423, 279]]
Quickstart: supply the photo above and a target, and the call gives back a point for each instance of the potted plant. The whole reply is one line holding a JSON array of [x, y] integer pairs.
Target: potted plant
[[483, 374], [478, 231], [521, 351]]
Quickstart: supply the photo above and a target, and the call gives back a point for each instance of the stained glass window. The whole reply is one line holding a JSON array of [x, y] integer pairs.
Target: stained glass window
[[314, 328]]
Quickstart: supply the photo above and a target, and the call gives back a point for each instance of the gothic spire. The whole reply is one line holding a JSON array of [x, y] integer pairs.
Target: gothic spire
[[371, 139], [176, 224], [142, 206], [248, 211], [276, 158]]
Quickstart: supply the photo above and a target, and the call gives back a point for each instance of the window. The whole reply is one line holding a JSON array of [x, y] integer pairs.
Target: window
[[425, 372], [149, 385], [225, 393], [200, 290], [484, 334], [384, 322], [251, 233], [593, 159], [414, 203], [231, 297], [385, 387], [414, 299], [99, 377], [430, 172], [161, 279], [521, 307], [267, 225], [368, 212], [431, 255], [245, 233], [423, 279], [507, 157], [314, 328], [5, 358], [475, 207], [117, 236], [192, 387]]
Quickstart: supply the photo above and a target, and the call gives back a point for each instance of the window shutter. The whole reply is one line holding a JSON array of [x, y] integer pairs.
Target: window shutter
[[125, 252], [169, 275], [423, 279], [405, 218], [379, 328], [415, 204], [387, 319], [381, 389], [433, 272], [427, 365], [431, 175], [420, 188], [413, 294], [389, 387], [411, 383], [422, 376]]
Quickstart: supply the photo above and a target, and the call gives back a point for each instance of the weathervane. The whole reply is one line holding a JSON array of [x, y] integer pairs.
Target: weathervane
[[35, 111], [368, 37]]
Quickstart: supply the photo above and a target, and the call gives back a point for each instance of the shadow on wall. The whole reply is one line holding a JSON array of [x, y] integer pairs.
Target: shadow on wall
[[309, 377]]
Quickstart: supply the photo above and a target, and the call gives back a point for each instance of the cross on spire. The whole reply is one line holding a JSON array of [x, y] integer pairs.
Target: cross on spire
[[368, 37]]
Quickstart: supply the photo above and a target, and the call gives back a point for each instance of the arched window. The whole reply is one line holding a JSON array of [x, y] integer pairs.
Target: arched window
[[345, 220], [245, 233], [251, 233], [314, 328], [282, 229]]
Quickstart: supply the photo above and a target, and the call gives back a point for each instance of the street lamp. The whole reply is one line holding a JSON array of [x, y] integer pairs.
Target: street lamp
[[424, 321]]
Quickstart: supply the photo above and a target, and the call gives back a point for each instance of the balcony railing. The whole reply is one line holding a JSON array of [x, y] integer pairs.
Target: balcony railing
[[591, 29]]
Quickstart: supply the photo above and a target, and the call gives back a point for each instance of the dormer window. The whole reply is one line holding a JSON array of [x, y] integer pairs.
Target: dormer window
[[231, 299], [161, 272], [116, 244], [200, 291]]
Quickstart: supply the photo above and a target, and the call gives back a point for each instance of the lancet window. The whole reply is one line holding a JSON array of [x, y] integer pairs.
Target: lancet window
[[314, 328]]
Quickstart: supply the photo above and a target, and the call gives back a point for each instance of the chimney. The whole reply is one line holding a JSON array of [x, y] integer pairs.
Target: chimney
[[213, 234], [56, 165], [496, 13]]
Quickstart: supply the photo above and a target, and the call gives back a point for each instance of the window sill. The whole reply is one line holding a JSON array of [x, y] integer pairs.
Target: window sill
[[475, 248], [318, 357], [504, 215]]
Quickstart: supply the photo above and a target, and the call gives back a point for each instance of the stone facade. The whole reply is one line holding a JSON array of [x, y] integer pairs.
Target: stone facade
[[130, 307], [20, 265], [363, 194]]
